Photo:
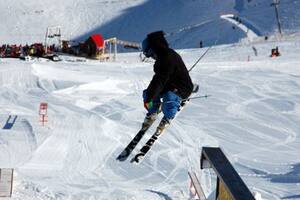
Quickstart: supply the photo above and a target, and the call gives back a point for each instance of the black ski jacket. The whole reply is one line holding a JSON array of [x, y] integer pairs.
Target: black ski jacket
[[170, 71]]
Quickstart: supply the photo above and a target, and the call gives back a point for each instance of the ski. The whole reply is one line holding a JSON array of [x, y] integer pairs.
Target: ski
[[139, 156], [132, 144]]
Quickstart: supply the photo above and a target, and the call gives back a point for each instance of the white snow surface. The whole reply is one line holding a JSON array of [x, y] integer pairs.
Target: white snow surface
[[96, 108], [250, 34]]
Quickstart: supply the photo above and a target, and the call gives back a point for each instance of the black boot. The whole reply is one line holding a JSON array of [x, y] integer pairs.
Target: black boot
[[149, 119]]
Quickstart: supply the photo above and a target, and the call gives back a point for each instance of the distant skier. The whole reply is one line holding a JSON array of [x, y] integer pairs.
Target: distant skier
[[171, 82]]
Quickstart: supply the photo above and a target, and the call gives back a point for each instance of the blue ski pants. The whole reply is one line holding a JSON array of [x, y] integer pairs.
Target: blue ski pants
[[170, 104]]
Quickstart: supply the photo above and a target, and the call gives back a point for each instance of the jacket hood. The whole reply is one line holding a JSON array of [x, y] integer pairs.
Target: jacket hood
[[158, 42]]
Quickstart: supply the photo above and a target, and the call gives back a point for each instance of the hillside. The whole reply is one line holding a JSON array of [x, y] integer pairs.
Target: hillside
[[186, 21]]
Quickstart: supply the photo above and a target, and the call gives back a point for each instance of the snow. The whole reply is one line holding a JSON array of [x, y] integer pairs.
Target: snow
[[96, 108], [250, 34]]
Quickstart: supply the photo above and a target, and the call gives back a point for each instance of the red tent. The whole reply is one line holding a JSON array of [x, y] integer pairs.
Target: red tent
[[93, 44], [98, 39]]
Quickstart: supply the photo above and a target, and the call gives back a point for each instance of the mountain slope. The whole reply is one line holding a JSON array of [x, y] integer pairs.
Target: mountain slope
[[185, 21]]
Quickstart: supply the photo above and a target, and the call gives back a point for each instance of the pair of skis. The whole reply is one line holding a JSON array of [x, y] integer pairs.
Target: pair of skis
[[147, 146], [133, 143]]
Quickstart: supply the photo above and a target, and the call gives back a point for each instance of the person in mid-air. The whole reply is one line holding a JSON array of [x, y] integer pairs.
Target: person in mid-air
[[170, 84]]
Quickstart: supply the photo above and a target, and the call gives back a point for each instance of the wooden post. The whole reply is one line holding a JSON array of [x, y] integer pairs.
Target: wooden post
[[196, 184], [6, 182]]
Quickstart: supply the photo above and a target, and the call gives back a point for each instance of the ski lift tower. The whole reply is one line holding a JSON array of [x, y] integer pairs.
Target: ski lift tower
[[276, 5], [107, 49], [53, 36]]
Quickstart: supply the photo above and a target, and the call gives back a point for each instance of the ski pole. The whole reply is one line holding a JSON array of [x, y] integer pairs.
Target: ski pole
[[197, 97], [200, 58], [187, 99]]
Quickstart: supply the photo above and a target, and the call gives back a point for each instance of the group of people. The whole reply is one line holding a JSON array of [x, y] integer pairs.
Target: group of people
[[17, 51], [12, 51], [275, 52]]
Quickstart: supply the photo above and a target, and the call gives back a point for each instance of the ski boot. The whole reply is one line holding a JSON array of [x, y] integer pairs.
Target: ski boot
[[149, 119], [164, 123]]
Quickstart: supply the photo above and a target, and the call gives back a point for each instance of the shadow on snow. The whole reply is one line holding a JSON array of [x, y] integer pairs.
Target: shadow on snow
[[171, 17]]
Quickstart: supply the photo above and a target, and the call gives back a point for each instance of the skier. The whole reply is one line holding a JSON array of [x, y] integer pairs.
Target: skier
[[168, 90], [171, 81]]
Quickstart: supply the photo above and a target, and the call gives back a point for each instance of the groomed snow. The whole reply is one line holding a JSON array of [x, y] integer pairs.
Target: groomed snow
[[96, 108]]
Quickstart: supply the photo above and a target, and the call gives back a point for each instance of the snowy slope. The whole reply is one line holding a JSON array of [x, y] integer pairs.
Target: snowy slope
[[186, 21], [95, 109]]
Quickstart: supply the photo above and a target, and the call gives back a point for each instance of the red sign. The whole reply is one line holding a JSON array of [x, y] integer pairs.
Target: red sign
[[43, 113]]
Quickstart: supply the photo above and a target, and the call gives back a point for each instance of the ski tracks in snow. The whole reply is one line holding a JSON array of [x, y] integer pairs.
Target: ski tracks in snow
[[260, 108]]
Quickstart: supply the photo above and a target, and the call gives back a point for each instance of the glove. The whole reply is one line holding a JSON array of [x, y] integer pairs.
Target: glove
[[148, 105]]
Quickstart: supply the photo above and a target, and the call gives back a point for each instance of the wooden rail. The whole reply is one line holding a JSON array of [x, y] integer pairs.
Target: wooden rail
[[230, 186]]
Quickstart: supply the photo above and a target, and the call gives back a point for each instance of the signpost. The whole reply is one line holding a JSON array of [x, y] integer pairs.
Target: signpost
[[43, 113], [6, 182]]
